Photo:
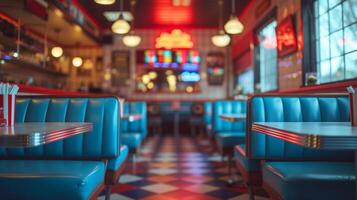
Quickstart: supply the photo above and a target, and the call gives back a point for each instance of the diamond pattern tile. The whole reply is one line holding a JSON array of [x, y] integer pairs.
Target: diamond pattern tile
[[177, 169], [159, 188]]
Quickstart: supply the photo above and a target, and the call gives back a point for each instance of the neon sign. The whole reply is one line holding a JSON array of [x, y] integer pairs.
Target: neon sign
[[286, 37], [190, 76], [177, 39]]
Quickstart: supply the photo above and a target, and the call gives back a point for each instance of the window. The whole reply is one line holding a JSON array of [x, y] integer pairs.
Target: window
[[246, 81], [335, 39], [266, 57]]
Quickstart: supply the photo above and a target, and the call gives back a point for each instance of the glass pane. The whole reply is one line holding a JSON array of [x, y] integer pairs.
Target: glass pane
[[316, 9], [323, 6], [318, 50], [336, 43], [325, 71], [349, 12], [335, 19], [351, 65], [337, 69], [332, 3], [268, 58], [324, 48], [350, 40], [323, 22]]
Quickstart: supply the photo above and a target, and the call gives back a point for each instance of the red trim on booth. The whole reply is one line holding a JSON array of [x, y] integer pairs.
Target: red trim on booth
[[329, 87]]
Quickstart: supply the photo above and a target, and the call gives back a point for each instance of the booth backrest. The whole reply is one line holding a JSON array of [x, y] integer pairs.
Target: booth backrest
[[140, 126], [307, 108], [101, 143], [228, 107], [208, 113]]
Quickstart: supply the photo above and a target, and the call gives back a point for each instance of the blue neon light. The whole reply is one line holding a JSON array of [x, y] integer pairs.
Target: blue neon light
[[190, 67], [190, 77]]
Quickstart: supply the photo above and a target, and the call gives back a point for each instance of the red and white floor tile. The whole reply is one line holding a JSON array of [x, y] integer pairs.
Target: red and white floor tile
[[169, 169]]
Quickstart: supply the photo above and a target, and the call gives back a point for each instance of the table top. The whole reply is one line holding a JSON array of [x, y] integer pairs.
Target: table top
[[131, 117], [322, 135], [233, 117], [31, 134]]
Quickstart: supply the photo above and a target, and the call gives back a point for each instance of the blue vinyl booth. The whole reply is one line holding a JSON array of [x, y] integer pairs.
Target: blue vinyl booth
[[228, 134], [134, 132], [74, 168], [289, 171], [207, 117]]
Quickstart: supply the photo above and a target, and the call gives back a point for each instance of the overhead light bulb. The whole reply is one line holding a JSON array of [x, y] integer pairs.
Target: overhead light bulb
[[233, 25], [131, 40], [121, 26], [77, 61], [221, 39], [104, 2], [57, 51]]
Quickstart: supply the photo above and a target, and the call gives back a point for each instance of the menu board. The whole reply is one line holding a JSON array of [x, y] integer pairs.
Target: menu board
[[120, 68], [215, 68]]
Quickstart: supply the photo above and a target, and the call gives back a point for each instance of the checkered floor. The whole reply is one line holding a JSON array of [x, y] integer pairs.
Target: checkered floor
[[184, 169]]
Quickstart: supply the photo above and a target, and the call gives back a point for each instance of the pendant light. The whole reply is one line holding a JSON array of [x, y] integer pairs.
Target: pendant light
[[233, 25], [104, 2], [221, 39], [77, 61], [57, 51], [121, 26], [132, 40]]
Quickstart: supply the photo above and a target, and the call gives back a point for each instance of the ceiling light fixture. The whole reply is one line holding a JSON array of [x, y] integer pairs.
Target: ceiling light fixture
[[233, 25], [57, 51], [104, 2], [121, 26], [132, 40], [77, 61], [221, 39]]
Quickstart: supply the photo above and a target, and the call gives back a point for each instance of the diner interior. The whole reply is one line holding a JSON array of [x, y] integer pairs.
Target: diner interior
[[178, 99]]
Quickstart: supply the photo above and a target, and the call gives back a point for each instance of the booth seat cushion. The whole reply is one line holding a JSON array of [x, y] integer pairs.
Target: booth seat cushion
[[49, 179], [248, 164], [229, 139], [115, 164], [132, 140], [310, 180]]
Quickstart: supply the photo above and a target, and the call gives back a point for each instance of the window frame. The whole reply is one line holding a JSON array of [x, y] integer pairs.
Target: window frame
[[267, 19], [309, 50]]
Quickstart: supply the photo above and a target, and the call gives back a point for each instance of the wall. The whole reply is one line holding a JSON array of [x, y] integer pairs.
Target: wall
[[289, 67], [201, 40]]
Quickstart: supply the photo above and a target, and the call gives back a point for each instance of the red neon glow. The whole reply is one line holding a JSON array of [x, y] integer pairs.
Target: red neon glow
[[286, 37], [166, 13]]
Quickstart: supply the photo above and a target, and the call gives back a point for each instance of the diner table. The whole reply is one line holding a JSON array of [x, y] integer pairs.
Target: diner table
[[131, 117], [233, 117], [318, 135], [32, 134]]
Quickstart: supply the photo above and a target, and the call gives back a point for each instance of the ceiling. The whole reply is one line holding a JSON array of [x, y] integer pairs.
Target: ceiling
[[162, 13]]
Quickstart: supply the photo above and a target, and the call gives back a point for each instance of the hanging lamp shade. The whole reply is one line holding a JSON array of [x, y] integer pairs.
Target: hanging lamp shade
[[104, 2], [233, 25], [57, 51], [131, 40], [121, 26], [221, 39], [77, 61]]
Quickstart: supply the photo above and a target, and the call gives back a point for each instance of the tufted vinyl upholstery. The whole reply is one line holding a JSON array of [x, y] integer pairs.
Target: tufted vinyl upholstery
[[295, 109], [228, 107], [138, 126], [101, 143], [207, 117]]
